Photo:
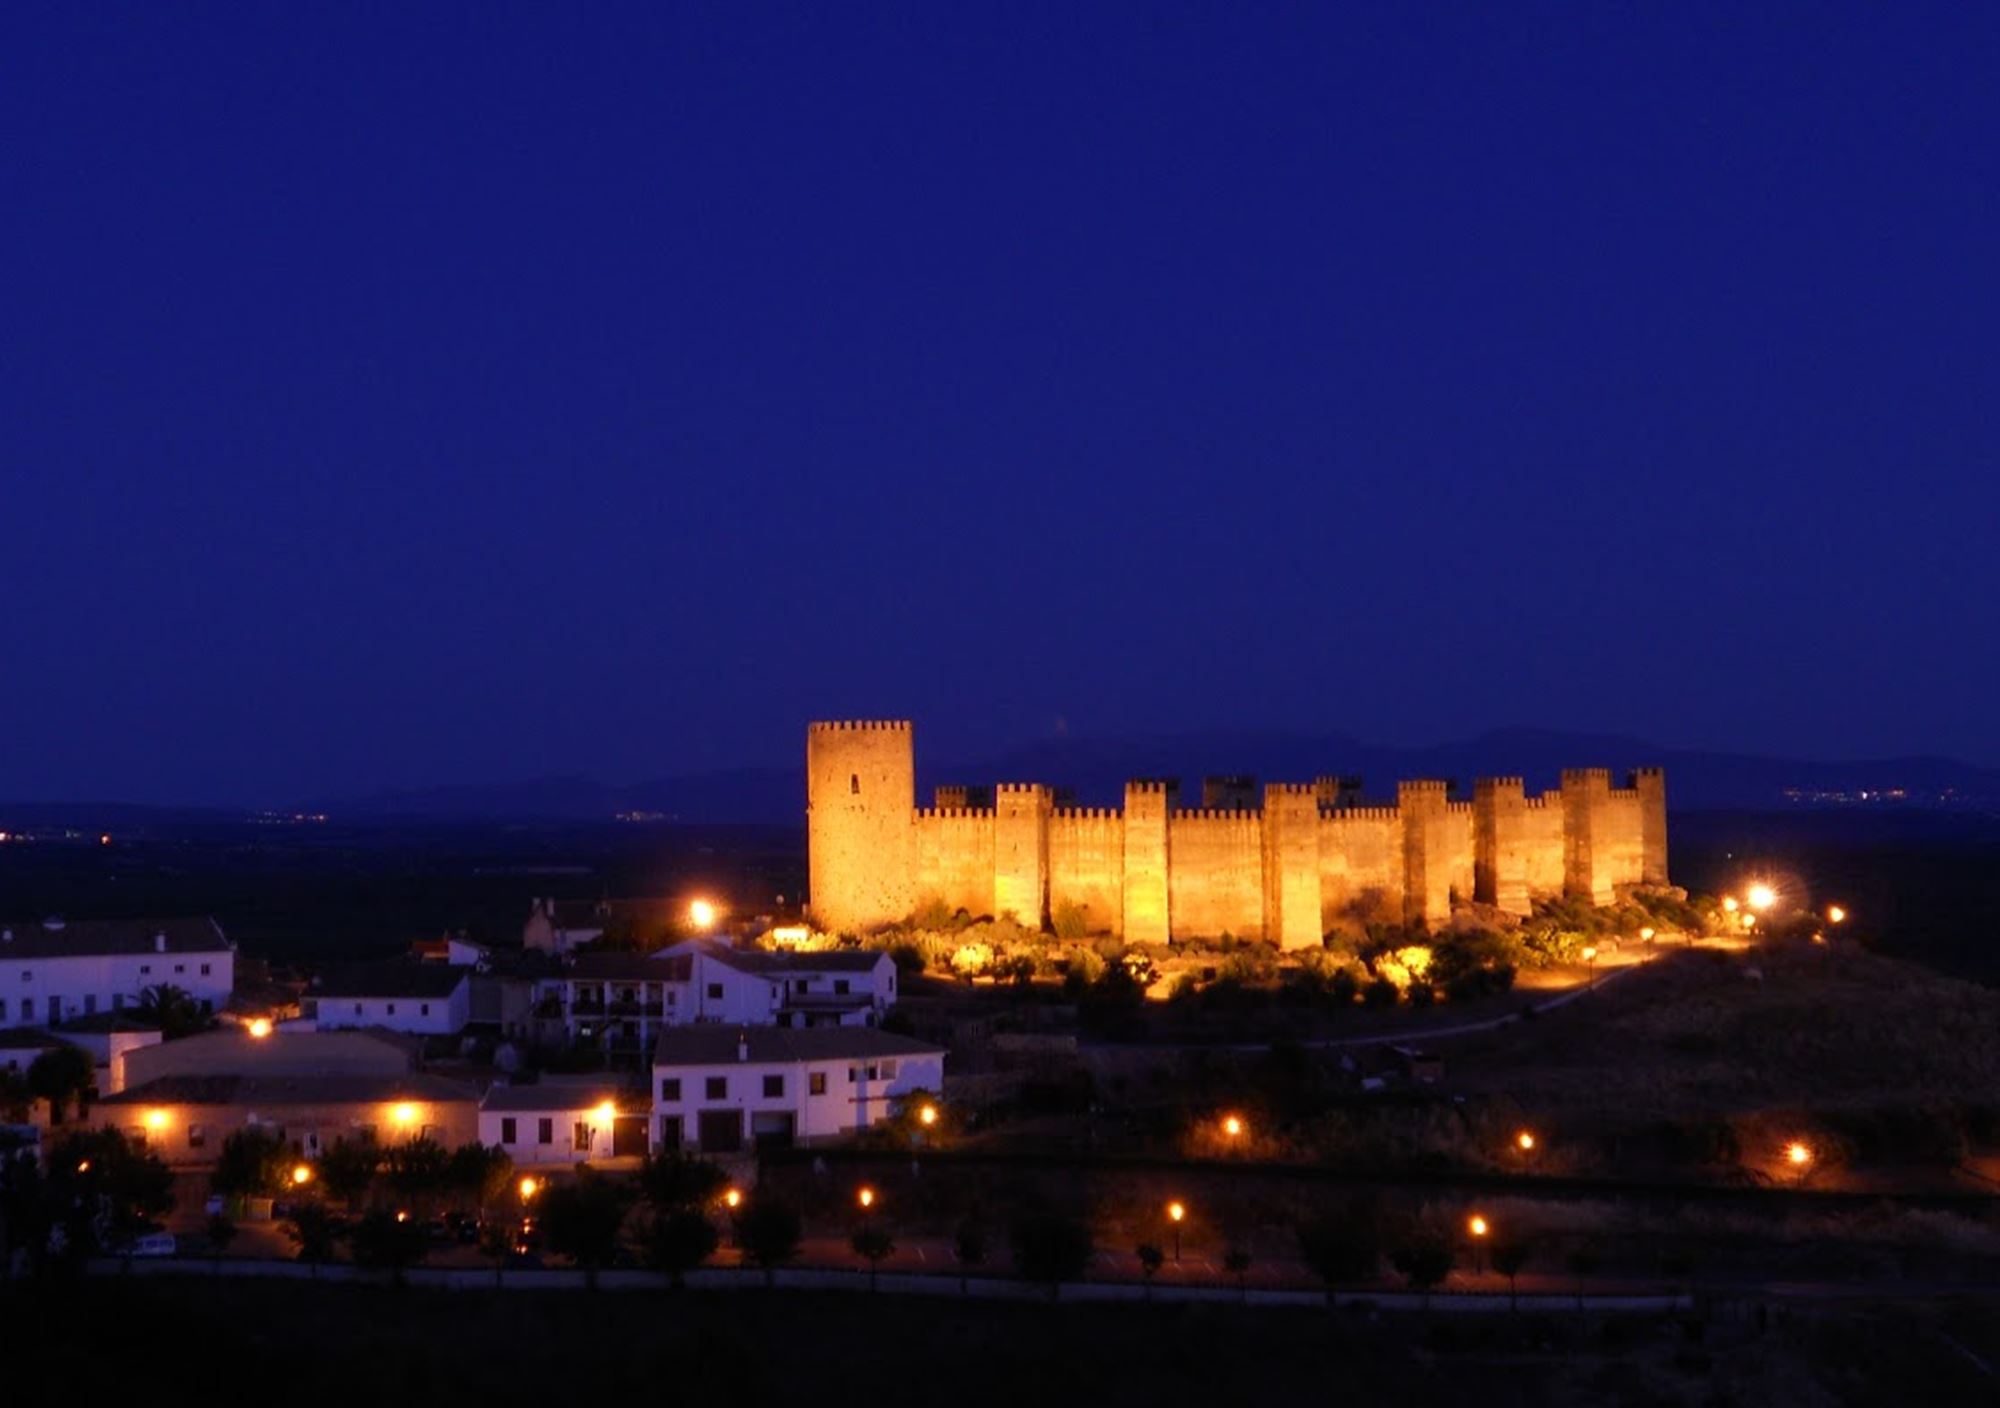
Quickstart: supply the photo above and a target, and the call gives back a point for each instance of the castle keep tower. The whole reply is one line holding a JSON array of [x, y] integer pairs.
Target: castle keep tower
[[861, 790]]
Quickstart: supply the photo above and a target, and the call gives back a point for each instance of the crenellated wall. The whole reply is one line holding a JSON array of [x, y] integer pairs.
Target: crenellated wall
[[1310, 860], [1216, 881], [1087, 865]]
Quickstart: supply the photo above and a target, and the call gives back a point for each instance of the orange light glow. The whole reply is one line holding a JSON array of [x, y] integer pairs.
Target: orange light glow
[[1729, 903], [1836, 915], [732, 1197], [1798, 1154], [1476, 1225], [1646, 935], [1762, 896], [1749, 921], [866, 1197], [605, 1113], [83, 1165], [927, 1115], [156, 1119], [529, 1187], [1176, 1212], [259, 1027], [1524, 1141], [403, 1113], [1232, 1125], [302, 1173], [702, 914]]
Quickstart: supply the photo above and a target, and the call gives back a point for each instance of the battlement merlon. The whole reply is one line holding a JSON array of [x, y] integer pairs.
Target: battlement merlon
[[1497, 786], [860, 726], [1597, 778]]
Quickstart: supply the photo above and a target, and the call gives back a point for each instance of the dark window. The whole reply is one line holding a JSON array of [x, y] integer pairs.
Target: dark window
[[816, 1083], [180, 967], [840, 986], [357, 1009], [670, 1088], [27, 1008], [715, 990], [718, 1087], [89, 1003], [423, 1009], [854, 783], [197, 1136], [392, 1009], [670, 1133], [545, 1130], [508, 1131], [144, 968], [204, 970], [774, 1087]]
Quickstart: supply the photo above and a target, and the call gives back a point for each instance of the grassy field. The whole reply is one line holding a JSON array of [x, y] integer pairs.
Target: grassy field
[[202, 1342]]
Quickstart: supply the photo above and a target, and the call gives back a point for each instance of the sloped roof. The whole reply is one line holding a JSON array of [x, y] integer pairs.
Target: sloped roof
[[416, 980], [715, 1044], [766, 963], [353, 1089], [634, 967], [71, 938], [563, 1095]]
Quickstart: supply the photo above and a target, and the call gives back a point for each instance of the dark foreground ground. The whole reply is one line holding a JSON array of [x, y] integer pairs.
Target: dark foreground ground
[[197, 1341]]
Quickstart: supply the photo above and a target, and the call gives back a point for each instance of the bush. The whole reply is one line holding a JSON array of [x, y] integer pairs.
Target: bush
[[1071, 920], [1379, 993], [907, 956]]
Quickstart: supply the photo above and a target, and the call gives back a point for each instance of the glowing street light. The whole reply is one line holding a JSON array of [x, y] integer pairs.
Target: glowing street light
[[1177, 1214], [732, 1198], [1646, 935], [1762, 896], [403, 1113], [259, 1027], [1798, 1153], [927, 1115], [1836, 915], [83, 1165], [605, 1113], [1729, 903], [702, 914], [1749, 922], [865, 1197], [528, 1187], [1525, 1141], [1232, 1125], [156, 1120], [302, 1174], [1477, 1225]]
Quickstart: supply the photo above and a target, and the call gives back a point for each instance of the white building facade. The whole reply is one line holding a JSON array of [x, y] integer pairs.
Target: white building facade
[[423, 999], [563, 1121], [55, 970], [718, 1090]]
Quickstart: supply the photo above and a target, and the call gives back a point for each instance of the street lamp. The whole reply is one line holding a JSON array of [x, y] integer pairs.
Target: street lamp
[[732, 1198], [1762, 896], [529, 1186], [1232, 1126], [866, 1197], [927, 1115], [1525, 1141], [1477, 1226], [301, 1174], [1729, 903], [1799, 1155], [1176, 1214], [259, 1027], [1836, 915], [702, 914]]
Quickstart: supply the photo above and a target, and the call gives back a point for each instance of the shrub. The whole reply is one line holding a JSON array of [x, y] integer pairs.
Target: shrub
[[1379, 993], [907, 956], [1071, 920]]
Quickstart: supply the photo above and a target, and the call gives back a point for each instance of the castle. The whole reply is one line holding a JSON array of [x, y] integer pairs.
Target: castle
[[1308, 861]]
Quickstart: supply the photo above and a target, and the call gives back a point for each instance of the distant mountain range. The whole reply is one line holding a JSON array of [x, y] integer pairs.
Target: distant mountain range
[[1096, 770]]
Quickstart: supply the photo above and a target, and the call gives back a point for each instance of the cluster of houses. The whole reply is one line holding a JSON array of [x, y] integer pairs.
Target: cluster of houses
[[700, 1045]]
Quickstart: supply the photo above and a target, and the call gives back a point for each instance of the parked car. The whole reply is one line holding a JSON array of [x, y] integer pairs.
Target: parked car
[[154, 1244]]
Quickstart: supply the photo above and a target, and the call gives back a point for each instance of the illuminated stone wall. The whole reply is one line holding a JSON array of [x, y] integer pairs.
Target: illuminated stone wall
[[1304, 864]]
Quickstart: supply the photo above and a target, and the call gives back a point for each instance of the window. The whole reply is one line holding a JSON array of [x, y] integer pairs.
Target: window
[[854, 784], [89, 1003], [392, 1009], [27, 1009], [204, 970], [774, 1087], [672, 997], [715, 991], [840, 986], [718, 1087], [180, 967], [545, 1130], [424, 1009], [816, 1083], [357, 1009], [509, 1132], [888, 1070], [670, 1088], [197, 1136], [581, 1136], [144, 968], [28, 975], [117, 1002], [3, 1009]]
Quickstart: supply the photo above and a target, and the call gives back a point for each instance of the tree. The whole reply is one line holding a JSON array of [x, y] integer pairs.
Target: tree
[[675, 1181], [1236, 1261], [1423, 1258], [872, 1243], [172, 1010], [969, 1246], [253, 1162], [417, 1170], [59, 1075], [104, 1189], [582, 1219], [221, 1232], [496, 1244], [678, 1241], [1051, 1248], [1509, 1256], [388, 1241], [14, 1096], [1340, 1246], [311, 1229], [479, 1174], [1151, 1258], [348, 1168], [769, 1232]]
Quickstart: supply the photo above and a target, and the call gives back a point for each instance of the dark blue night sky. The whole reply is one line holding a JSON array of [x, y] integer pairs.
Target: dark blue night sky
[[394, 398]]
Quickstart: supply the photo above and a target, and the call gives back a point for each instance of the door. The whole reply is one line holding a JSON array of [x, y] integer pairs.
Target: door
[[628, 1136], [721, 1131]]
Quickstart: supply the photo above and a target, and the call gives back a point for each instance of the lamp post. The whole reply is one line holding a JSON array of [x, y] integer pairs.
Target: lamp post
[[1477, 1227], [1176, 1214]]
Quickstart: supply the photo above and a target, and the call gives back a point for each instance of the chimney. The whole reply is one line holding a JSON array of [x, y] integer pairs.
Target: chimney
[[160, 942], [742, 1045]]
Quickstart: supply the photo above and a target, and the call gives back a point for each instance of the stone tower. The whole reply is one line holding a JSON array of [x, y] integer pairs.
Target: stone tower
[[861, 790]]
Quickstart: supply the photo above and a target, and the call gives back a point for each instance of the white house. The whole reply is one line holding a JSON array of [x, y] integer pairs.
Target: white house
[[719, 1089], [562, 1120], [831, 988], [424, 999], [52, 970]]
